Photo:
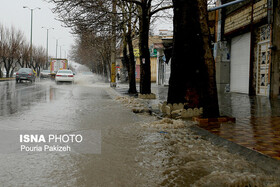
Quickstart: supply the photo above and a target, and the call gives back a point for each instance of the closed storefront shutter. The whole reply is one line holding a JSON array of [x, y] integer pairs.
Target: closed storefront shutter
[[240, 63]]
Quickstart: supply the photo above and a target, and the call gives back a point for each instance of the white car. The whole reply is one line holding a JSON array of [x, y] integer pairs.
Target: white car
[[64, 76]]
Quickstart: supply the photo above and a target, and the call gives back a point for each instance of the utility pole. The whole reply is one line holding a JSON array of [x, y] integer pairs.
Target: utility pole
[[113, 45], [31, 9], [56, 48], [60, 54], [47, 51], [31, 37]]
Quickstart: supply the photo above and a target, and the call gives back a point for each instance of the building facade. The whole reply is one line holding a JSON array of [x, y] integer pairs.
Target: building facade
[[243, 48]]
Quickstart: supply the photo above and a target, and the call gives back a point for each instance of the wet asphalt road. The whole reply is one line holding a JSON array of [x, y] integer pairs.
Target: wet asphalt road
[[47, 106]]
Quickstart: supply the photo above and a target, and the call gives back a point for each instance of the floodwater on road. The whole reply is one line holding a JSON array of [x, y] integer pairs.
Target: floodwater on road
[[46, 106], [136, 150]]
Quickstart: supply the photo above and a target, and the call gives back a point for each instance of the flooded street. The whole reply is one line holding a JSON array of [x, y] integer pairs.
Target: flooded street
[[136, 150], [46, 106]]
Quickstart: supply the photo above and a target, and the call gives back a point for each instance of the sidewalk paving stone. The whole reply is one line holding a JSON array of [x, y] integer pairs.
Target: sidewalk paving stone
[[257, 125]]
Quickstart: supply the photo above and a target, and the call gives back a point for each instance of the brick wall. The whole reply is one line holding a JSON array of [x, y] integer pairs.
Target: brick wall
[[242, 17]]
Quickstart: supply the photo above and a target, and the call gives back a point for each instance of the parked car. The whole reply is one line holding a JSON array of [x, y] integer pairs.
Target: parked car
[[45, 74], [64, 76], [25, 74]]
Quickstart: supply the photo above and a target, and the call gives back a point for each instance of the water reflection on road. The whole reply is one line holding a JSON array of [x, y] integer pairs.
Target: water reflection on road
[[20, 97], [46, 106]]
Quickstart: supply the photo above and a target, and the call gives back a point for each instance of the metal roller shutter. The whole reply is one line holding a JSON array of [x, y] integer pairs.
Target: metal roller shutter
[[240, 63]]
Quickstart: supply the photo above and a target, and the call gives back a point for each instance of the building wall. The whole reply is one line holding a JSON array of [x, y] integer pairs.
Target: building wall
[[153, 69], [260, 70], [262, 59], [233, 8], [242, 17], [237, 21]]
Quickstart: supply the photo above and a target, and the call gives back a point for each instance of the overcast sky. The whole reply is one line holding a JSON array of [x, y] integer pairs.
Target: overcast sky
[[12, 13]]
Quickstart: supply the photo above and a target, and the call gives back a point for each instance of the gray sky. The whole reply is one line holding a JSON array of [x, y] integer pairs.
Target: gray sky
[[12, 13]]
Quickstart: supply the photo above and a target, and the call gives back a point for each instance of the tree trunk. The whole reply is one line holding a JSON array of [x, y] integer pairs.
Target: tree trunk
[[192, 78], [145, 64], [211, 105], [125, 59], [131, 70], [113, 45], [7, 65], [12, 71]]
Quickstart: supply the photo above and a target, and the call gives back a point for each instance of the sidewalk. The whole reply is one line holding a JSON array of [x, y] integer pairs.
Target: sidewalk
[[6, 79], [257, 124]]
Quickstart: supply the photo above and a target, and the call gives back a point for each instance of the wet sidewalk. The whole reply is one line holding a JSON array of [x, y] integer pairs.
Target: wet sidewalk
[[257, 125], [7, 79]]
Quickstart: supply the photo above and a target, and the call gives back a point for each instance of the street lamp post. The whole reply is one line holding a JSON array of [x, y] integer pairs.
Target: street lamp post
[[61, 50], [47, 52], [56, 48], [31, 9]]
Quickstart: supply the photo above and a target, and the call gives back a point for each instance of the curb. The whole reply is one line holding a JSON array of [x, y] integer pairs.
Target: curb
[[113, 93], [6, 79], [268, 164]]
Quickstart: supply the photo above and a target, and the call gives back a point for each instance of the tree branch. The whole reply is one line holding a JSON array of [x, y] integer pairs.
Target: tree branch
[[134, 1], [160, 9]]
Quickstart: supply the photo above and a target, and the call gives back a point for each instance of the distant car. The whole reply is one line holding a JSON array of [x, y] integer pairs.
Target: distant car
[[25, 74], [45, 74], [64, 76]]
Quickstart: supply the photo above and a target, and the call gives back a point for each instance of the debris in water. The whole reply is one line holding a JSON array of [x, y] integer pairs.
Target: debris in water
[[186, 159]]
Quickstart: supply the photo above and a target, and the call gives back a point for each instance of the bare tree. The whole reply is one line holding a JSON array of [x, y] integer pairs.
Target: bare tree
[[2, 47], [147, 9], [39, 58], [97, 16], [128, 20], [93, 51], [11, 41], [25, 55], [15, 51], [90, 15]]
